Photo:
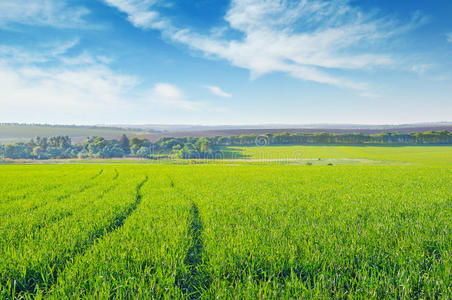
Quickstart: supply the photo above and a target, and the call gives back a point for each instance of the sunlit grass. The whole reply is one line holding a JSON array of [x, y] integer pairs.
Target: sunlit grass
[[231, 231]]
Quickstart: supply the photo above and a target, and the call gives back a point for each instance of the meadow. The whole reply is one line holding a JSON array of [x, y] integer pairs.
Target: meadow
[[232, 229], [437, 155], [12, 133]]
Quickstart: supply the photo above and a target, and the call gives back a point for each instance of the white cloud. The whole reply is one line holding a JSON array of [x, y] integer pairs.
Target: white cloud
[[165, 94], [309, 39], [138, 12], [61, 89], [82, 93], [41, 12], [44, 52], [80, 86], [167, 91], [218, 91]]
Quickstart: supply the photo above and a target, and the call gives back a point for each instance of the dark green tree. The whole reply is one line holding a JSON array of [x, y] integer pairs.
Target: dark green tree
[[124, 143]]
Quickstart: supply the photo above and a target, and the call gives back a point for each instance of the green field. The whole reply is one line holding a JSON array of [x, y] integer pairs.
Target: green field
[[232, 229], [23, 133], [438, 155]]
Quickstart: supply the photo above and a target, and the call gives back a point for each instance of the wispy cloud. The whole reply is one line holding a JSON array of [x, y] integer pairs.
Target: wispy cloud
[[61, 91], [139, 13], [218, 91], [42, 13], [308, 40], [41, 53], [166, 94], [80, 85]]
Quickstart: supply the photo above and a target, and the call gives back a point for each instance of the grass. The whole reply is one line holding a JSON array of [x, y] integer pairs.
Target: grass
[[231, 230], [439, 155]]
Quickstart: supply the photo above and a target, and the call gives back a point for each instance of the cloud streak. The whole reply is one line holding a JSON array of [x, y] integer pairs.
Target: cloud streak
[[45, 53], [53, 13], [308, 39], [218, 91], [139, 14]]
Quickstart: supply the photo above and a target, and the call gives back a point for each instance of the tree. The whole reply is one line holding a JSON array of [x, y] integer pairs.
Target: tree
[[124, 143], [188, 151], [139, 142], [143, 152], [18, 150], [204, 145], [39, 152]]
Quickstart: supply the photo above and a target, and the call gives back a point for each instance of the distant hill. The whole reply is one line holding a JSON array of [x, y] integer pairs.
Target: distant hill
[[281, 127], [10, 133], [246, 131]]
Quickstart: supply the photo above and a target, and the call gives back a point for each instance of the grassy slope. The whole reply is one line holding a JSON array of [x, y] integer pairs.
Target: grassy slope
[[15, 133]]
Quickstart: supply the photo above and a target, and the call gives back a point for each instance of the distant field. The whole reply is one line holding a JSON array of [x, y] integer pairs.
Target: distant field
[[315, 155], [441, 155], [15, 133]]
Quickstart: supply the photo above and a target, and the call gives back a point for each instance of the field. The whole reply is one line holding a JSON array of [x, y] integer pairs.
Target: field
[[232, 229], [11, 133], [440, 155]]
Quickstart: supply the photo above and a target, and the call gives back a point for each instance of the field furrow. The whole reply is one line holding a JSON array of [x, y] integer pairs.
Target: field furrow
[[138, 260], [194, 282], [46, 252], [304, 232], [15, 229]]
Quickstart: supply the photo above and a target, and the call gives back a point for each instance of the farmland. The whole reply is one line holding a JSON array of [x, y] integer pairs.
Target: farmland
[[232, 229], [10, 133], [384, 154]]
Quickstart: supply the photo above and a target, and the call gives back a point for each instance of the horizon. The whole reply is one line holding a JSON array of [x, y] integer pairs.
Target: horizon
[[232, 125], [226, 62]]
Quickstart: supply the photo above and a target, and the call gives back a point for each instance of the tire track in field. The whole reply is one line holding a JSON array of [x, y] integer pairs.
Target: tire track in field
[[120, 219], [84, 246], [197, 279], [83, 188], [98, 174]]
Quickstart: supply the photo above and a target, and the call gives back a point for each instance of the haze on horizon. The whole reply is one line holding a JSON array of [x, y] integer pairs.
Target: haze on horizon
[[225, 62]]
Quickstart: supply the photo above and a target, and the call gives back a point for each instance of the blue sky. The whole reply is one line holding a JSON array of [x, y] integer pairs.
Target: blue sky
[[225, 61]]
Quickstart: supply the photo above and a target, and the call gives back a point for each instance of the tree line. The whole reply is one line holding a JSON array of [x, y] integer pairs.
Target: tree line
[[203, 147], [61, 147], [189, 147]]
